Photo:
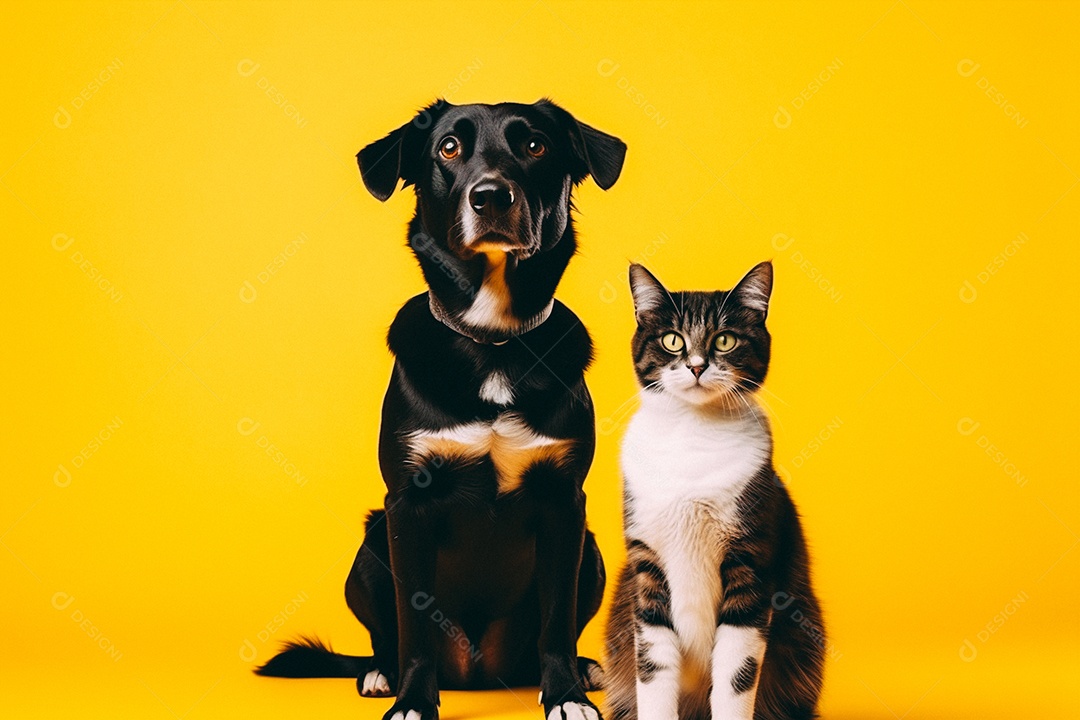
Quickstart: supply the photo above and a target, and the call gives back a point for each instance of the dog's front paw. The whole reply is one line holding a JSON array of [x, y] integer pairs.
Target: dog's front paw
[[574, 710], [412, 710], [374, 684]]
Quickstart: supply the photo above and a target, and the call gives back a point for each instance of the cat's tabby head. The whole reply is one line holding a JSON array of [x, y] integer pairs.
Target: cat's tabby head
[[705, 348]]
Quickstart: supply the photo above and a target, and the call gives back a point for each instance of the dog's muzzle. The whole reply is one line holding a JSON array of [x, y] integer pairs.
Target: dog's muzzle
[[492, 218], [492, 199]]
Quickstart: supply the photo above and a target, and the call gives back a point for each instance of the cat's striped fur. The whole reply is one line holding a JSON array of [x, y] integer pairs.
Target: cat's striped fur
[[714, 615]]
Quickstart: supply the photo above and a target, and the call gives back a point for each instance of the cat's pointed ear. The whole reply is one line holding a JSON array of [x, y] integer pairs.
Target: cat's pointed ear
[[648, 293], [398, 156], [754, 289]]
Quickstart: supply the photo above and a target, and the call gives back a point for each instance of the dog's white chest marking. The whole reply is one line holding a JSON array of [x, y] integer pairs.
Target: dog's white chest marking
[[496, 389], [685, 472], [512, 445], [491, 306]]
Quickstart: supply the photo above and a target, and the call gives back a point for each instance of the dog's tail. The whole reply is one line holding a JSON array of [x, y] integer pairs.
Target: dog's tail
[[311, 658]]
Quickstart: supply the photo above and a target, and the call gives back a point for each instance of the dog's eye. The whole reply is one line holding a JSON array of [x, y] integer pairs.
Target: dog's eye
[[536, 148], [725, 342], [672, 342], [450, 148]]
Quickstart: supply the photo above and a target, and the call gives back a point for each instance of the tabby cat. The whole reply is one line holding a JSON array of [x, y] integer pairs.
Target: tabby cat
[[714, 614]]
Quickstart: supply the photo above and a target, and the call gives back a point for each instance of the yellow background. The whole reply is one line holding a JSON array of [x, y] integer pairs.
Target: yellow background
[[893, 181]]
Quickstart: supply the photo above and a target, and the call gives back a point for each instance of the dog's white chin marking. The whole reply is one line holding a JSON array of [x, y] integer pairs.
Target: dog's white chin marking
[[410, 715], [573, 711], [490, 308], [496, 389], [375, 685], [512, 445]]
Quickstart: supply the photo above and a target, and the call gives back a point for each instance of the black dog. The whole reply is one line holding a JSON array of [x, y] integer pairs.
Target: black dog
[[481, 556]]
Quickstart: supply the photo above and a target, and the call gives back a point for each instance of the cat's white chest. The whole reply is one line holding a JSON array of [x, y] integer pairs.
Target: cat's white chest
[[676, 457], [684, 471]]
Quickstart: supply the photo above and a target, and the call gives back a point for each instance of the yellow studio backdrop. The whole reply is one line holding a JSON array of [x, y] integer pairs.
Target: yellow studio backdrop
[[197, 290]]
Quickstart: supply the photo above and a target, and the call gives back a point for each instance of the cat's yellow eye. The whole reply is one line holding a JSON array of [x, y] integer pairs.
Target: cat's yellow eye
[[725, 342], [672, 342]]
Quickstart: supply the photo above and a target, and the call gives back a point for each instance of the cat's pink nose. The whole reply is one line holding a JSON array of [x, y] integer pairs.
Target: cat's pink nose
[[697, 370]]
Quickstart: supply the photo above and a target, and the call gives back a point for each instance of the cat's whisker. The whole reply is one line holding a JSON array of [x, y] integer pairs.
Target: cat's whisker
[[728, 397], [753, 411], [760, 386], [771, 410]]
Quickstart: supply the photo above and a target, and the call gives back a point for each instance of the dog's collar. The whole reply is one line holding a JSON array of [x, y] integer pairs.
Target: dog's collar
[[480, 335]]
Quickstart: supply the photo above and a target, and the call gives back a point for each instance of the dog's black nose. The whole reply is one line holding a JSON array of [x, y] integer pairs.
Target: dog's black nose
[[491, 198]]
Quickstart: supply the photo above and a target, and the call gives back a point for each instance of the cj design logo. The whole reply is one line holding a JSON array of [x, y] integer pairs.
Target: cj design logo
[[782, 243], [607, 68], [967, 426], [62, 476], [969, 292], [426, 245], [62, 117], [969, 650], [247, 427], [968, 67], [609, 291], [811, 447], [248, 292], [61, 242], [422, 601], [62, 600], [248, 67], [782, 601], [782, 117], [249, 650]]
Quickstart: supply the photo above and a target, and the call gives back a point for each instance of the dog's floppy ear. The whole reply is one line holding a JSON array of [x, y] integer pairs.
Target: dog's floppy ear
[[399, 155], [596, 153]]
